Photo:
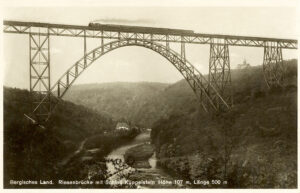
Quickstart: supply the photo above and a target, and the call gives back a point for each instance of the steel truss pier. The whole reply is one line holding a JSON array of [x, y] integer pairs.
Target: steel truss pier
[[219, 74], [39, 48], [273, 65]]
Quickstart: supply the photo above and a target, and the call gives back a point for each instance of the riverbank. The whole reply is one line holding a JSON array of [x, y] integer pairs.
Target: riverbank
[[89, 161], [158, 177], [138, 156]]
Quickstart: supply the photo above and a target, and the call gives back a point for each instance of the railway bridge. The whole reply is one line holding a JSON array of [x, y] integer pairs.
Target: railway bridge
[[213, 91]]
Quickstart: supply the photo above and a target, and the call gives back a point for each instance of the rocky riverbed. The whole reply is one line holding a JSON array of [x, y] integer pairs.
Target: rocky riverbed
[[143, 171]]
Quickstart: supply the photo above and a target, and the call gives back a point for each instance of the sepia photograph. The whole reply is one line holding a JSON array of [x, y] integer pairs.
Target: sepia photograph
[[150, 96]]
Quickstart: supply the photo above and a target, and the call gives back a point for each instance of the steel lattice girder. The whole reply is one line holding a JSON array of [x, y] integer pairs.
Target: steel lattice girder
[[273, 67], [219, 74], [196, 38], [195, 79], [39, 53]]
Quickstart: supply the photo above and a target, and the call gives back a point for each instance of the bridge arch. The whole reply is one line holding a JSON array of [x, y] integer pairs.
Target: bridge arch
[[195, 79]]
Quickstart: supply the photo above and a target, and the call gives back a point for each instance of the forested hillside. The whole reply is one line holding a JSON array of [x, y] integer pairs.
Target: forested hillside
[[33, 153], [252, 146], [140, 103], [120, 100]]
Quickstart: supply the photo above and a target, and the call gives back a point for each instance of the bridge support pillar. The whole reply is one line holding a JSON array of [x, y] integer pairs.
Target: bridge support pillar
[[84, 47], [167, 42], [39, 56], [182, 50], [102, 41], [273, 68], [219, 74]]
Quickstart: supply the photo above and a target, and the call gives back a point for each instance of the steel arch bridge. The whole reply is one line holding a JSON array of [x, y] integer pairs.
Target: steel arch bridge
[[214, 92]]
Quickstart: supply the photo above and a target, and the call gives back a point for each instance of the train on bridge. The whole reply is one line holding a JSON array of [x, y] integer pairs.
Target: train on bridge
[[139, 29]]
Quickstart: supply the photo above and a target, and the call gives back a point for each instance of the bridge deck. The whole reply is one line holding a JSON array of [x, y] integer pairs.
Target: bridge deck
[[173, 35]]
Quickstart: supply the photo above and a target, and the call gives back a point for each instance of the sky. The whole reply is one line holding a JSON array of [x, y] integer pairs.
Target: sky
[[132, 64]]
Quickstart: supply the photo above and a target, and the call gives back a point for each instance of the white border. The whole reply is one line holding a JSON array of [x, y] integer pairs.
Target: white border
[[134, 3]]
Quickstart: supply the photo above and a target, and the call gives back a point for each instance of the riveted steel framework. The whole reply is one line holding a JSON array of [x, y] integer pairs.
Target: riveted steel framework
[[273, 65], [195, 79], [219, 74], [214, 93], [39, 48], [195, 38]]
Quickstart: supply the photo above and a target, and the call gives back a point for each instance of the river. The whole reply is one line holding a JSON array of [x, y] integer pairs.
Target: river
[[155, 173]]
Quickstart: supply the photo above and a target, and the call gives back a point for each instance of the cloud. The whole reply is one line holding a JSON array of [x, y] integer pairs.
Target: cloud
[[124, 21]]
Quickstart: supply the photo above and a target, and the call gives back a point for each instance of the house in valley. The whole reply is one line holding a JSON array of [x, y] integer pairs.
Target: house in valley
[[122, 126]]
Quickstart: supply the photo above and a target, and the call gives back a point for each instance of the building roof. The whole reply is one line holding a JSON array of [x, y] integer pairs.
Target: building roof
[[122, 124]]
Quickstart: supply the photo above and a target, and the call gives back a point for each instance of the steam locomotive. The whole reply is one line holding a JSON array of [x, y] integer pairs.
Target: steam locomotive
[[138, 29]]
